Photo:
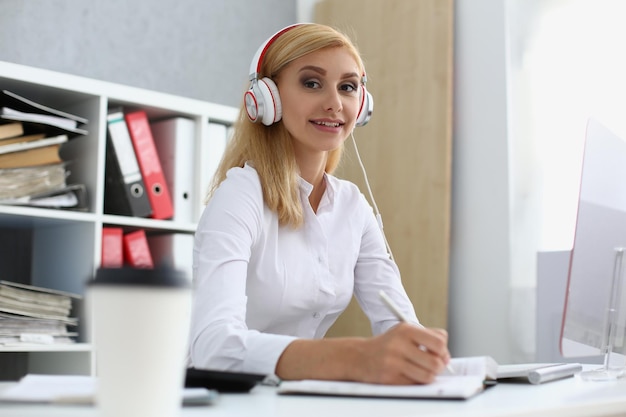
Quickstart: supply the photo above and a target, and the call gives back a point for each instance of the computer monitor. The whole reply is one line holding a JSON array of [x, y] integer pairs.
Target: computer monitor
[[594, 300]]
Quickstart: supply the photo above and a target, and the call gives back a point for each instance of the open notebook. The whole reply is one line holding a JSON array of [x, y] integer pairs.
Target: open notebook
[[471, 376]]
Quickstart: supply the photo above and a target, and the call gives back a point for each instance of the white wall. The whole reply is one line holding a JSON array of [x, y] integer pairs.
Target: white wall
[[480, 258]]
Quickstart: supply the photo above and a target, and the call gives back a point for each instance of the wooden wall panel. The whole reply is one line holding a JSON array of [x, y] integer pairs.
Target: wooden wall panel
[[407, 46]]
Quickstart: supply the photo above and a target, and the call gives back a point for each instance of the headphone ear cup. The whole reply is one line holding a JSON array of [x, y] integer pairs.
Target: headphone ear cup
[[263, 102], [272, 109], [252, 103], [367, 107]]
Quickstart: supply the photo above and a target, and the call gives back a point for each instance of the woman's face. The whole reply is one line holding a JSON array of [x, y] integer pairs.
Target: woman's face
[[320, 97]]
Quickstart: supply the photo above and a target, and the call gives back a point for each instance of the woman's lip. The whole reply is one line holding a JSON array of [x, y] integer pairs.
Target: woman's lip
[[332, 128], [327, 123]]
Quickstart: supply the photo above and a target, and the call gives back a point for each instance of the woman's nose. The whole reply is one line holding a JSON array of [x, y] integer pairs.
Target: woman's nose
[[333, 101]]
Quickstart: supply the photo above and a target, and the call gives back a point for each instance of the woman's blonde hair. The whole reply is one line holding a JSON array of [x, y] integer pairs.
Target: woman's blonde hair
[[269, 148]]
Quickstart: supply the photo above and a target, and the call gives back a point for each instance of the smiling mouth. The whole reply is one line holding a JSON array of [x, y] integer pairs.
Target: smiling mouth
[[328, 124]]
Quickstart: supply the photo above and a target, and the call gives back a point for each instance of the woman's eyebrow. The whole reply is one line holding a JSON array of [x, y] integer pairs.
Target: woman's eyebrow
[[351, 75], [314, 68], [322, 71]]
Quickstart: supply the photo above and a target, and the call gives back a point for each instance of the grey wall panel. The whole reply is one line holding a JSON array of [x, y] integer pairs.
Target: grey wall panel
[[193, 48]]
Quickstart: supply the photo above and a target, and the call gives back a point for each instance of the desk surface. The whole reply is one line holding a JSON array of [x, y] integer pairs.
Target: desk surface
[[568, 397]]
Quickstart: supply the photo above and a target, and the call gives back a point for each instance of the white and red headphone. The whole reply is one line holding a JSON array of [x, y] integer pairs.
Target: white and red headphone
[[263, 101]]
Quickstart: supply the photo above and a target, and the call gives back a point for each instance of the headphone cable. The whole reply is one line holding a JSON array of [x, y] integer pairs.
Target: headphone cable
[[379, 217]]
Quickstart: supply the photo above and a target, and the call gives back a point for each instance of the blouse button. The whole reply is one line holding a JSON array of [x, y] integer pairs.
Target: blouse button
[[316, 315]]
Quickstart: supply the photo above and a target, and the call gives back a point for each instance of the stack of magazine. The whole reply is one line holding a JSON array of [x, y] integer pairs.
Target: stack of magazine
[[35, 315], [32, 169]]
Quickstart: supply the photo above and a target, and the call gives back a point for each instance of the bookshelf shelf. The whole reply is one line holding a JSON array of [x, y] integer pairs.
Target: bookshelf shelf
[[61, 249], [76, 347], [148, 224], [15, 215]]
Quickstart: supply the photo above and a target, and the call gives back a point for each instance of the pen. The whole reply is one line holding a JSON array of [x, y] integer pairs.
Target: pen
[[396, 311]]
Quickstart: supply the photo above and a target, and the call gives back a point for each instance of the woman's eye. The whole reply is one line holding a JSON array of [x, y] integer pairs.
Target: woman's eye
[[349, 88], [311, 84]]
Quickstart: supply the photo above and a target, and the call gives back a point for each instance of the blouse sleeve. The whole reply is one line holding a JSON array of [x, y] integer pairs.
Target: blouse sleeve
[[228, 228], [376, 271]]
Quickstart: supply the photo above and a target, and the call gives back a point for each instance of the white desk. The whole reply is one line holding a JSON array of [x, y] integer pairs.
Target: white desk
[[569, 397]]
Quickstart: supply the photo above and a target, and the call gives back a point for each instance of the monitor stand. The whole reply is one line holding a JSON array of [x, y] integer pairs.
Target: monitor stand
[[611, 370]]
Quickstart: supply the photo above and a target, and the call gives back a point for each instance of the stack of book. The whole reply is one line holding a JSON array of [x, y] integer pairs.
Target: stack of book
[[32, 171], [35, 315]]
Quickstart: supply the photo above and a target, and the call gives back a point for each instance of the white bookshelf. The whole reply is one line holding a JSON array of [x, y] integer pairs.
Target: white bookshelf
[[63, 247]]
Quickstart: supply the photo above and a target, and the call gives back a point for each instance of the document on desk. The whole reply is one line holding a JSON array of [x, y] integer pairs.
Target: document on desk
[[470, 376], [78, 389], [450, 387]]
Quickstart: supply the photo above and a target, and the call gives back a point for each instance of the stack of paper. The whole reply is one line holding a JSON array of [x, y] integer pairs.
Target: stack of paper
[[30, 314], [19, 108], [18, 183], [33, 168], [80, 389]]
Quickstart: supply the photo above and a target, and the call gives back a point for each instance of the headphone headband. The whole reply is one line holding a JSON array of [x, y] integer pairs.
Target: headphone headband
[[255, 65]]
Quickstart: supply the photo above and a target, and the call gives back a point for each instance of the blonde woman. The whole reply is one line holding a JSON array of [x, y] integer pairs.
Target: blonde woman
[[283, 245]]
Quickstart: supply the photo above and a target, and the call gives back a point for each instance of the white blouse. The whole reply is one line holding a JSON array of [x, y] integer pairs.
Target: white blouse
[[258, 286]]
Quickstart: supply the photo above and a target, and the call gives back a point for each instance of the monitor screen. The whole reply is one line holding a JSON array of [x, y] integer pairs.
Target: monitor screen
[[600, 232]]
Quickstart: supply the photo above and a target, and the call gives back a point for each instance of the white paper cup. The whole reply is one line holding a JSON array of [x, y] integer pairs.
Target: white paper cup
[[141, 321]]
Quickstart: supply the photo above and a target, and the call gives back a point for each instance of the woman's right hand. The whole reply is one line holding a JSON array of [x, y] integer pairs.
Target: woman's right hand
[[405, 354]]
